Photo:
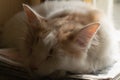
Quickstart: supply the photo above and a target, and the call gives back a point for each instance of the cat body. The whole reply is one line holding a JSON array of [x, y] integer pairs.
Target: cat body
[[67, 36]]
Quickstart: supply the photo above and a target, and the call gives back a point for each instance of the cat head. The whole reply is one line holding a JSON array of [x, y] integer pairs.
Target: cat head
[[60, 35]]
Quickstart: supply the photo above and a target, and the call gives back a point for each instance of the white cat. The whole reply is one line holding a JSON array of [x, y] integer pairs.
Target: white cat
[[62, 36]]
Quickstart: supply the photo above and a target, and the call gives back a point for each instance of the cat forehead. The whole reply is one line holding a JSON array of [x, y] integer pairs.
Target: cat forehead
[[71, 21], [77, 17], [64, 22]]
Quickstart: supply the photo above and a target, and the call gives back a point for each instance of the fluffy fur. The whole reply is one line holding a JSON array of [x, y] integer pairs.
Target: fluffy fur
[[62, 36]]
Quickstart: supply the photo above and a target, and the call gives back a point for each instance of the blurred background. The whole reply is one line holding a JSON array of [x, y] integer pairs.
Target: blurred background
[[116, 13], [8, 8]]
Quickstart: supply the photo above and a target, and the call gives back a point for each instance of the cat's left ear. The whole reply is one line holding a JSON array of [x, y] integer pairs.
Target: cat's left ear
[[35, 20], [86, 34], [82, 37]]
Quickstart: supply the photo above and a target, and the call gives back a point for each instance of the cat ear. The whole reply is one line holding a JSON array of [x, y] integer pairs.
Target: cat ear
[[35, 20], [86, 34]]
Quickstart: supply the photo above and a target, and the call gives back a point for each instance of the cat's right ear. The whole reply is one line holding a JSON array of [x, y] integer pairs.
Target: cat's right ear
[[35, 20]]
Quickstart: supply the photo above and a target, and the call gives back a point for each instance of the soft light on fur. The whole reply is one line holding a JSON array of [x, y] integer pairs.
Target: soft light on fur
[[62, 36]]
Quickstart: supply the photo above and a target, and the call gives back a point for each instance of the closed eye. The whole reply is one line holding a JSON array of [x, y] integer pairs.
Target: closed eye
[[50, 54], [51, 51]]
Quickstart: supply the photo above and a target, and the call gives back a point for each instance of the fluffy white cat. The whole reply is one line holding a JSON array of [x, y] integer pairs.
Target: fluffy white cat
[[62, 36]]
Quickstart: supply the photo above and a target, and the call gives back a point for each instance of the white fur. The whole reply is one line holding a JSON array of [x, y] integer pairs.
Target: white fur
[[16, 29]]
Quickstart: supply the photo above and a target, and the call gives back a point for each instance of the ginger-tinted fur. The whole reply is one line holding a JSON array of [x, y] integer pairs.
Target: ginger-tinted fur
[[65, 36]]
